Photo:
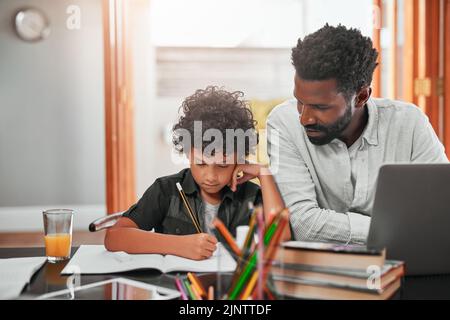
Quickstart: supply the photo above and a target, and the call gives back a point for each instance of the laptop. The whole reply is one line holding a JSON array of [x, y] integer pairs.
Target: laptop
[[411, 216]]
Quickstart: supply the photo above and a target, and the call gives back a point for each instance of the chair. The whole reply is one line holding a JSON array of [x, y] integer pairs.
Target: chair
[[104, 222]]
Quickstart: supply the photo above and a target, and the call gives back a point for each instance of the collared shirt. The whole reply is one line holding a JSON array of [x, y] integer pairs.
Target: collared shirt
[[161, 207], [330, 189]]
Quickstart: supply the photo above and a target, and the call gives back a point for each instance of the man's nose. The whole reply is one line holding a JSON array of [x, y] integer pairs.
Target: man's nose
[[307, 116]]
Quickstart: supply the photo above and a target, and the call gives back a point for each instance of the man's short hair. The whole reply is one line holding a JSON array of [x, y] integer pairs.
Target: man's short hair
[[336, 53]]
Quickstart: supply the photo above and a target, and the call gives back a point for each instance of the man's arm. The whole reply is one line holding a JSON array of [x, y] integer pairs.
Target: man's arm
[[309, 222]]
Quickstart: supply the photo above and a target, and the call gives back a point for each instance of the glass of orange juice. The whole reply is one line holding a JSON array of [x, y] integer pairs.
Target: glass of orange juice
[[58, 234]]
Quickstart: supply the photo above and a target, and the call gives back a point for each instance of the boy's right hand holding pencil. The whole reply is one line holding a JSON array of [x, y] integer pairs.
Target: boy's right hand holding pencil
[[197, 246]]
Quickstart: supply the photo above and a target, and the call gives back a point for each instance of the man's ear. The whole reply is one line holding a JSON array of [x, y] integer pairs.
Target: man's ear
[[362, 96]]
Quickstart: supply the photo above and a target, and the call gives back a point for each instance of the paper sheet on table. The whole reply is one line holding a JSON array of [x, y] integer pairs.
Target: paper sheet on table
[[95, 259], [15, 273]]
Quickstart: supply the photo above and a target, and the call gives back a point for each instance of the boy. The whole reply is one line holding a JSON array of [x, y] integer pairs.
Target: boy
[[216, 184]]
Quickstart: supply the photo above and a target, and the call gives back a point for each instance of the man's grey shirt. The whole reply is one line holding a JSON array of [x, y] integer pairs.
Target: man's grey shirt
[[330, 189]]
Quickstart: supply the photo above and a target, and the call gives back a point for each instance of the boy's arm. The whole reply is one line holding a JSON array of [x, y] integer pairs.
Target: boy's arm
[[126, 236], [272, 200]]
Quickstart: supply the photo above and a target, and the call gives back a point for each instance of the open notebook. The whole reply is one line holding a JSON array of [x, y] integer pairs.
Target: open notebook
[[95, 259]]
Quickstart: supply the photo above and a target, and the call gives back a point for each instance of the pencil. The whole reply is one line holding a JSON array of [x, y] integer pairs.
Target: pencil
[[250, 266], [260, 251], [189, 208], [197, 294], [189, 289], [251, 285], [275, 241], [249, 237], [227, 236], [245, 249], [211, 293], [197, 284], [180, 288]]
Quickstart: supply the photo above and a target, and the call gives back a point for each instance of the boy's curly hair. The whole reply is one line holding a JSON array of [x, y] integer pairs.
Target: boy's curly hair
[[216, 109], [336, 53]]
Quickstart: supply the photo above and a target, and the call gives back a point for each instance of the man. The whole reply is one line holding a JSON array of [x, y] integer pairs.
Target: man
[[332, 138]]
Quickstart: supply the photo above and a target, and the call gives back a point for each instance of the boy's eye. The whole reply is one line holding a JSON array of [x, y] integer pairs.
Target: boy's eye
[[224, 165]]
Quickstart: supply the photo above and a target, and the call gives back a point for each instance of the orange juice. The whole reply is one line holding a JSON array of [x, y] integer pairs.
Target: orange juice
[[58, 245]]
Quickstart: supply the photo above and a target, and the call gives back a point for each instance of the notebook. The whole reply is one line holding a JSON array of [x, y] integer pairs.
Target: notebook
[[95, 259], [15, 273]]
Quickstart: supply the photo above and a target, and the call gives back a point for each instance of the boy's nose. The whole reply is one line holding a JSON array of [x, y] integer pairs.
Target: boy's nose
[[210, 176]]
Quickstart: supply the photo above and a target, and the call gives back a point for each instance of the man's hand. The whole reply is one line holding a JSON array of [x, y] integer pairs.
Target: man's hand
[[197, 246]]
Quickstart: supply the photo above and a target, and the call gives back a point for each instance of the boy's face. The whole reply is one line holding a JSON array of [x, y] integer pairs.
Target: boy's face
[[211, 173]]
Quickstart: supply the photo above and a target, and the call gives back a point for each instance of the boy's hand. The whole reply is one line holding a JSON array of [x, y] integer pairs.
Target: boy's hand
[[245, 172], [198, 246]]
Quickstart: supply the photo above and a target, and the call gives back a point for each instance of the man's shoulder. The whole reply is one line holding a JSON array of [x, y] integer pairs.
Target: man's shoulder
[[285, 111], [395, 108]]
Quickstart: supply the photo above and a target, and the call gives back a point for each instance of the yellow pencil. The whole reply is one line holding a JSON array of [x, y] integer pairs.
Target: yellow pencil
[[197, 284], [251, 285], [196, 293], [188, 208]]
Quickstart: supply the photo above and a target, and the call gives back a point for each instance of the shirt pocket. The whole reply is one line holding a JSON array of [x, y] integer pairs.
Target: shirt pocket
[[176, 220]]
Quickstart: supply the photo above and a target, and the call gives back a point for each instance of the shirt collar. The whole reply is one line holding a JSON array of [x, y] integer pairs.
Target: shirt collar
[[370, 134], [190, 187]]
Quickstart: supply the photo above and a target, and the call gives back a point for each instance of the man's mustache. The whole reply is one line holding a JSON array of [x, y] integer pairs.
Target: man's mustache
[[316, 127]]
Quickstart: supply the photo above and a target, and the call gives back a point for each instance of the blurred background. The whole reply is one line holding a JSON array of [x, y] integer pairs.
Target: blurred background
[[86, 107]]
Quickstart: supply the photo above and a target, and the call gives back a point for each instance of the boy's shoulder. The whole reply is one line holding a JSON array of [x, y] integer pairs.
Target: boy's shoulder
[[167, 184], [248, 190]]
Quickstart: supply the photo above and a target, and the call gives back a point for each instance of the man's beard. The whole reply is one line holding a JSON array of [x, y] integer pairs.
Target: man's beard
[[332, 131]]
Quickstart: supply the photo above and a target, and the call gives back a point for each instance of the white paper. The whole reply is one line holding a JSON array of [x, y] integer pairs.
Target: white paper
[[95, 259], [15, 273]]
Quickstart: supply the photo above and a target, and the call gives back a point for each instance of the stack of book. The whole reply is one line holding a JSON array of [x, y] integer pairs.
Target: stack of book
[[311, 270]]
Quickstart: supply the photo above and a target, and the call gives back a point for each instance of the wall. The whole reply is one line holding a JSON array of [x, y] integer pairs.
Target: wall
[[196, 25], [51, 113]]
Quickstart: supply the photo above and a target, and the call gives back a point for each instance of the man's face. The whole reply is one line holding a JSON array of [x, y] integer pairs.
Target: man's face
[[211, 173], [324, 112]]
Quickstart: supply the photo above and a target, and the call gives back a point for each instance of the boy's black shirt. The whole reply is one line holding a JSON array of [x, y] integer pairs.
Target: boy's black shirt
[[161, 207]]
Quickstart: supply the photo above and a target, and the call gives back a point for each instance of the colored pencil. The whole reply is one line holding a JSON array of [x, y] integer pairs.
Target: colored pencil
[[260, 248], [189, 289], [251, 285], [197, 284], [197, 294], [250, 266], [180, 288], [227, 236], [211, 293], [245, 252]]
